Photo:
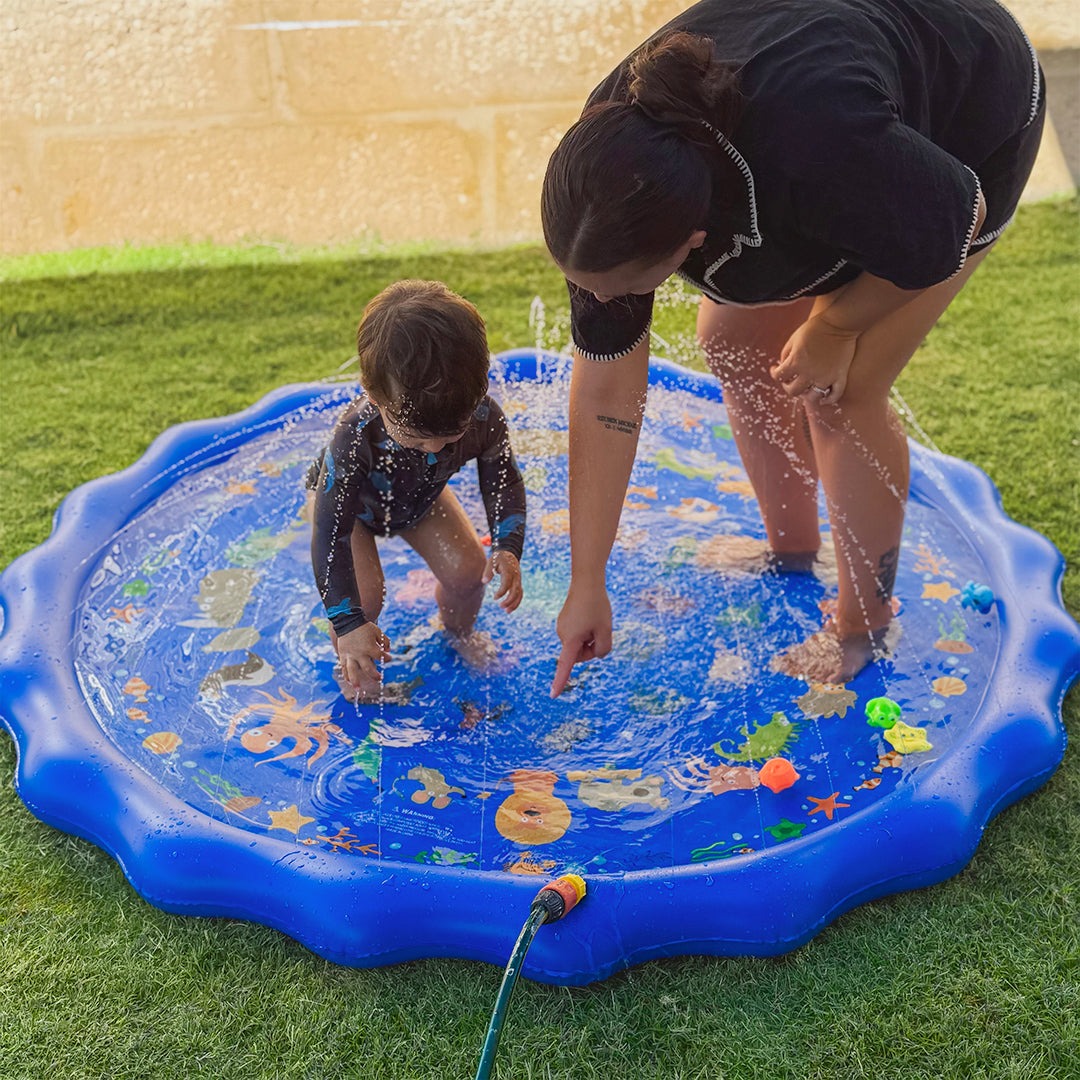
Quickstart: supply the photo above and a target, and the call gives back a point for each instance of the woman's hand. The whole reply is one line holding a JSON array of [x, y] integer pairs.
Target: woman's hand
[[505, 564], [584, 628], [359, 652], [815, 361]]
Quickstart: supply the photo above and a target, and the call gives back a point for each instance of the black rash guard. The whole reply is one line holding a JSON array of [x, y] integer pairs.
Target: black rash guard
[[363, 476], [868, 129]]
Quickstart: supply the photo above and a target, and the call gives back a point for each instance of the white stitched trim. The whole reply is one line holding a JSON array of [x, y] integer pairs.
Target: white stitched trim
[[739, 238], [608, 357], [717, 297], [817, 281], [979, 241], [971, 229], [1036, 84]]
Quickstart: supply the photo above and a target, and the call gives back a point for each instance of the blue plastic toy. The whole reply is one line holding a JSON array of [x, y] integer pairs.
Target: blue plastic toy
[[165, 671], [977, 597]]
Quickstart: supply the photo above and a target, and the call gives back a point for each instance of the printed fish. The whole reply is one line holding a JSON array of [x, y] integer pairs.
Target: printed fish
[[253, 671]]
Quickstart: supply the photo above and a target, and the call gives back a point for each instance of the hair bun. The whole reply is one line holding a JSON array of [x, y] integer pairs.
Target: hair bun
[[677, 81]]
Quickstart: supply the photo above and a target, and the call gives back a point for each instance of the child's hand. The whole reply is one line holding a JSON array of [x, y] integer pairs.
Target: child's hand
[[505, 564], [360, 651]]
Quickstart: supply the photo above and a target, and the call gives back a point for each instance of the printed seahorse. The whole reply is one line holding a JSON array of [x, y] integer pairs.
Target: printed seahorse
[[766, 741]]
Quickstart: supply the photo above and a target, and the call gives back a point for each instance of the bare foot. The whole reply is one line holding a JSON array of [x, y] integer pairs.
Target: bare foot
[[824, 566], [477, 649], [734, 554], [748, 555], [829, 657]]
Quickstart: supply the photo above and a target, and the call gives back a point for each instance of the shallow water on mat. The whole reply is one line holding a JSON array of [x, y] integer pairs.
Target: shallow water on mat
[[202, 648]]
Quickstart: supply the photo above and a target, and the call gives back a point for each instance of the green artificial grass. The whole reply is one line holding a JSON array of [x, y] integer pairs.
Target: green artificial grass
[[976, 977]]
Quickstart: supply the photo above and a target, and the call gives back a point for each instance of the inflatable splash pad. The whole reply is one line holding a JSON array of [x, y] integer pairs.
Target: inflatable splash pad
[[166, 672]]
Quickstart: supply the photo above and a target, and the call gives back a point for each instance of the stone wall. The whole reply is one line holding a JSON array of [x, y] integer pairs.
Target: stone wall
[[331, 121]]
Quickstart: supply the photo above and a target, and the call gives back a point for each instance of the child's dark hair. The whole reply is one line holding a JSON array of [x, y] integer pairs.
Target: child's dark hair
[[424, 356], [632, 179]]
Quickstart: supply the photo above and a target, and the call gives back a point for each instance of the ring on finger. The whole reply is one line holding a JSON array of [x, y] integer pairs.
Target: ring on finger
[[824, 391]]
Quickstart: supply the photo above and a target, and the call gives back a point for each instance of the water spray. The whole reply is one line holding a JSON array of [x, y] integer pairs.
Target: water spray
[[550, 904]]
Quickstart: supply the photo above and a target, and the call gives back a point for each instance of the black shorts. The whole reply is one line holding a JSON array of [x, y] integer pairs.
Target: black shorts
[[1005, 173]]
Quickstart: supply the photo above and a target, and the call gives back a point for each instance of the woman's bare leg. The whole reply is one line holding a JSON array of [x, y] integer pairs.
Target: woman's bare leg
[[446, 540], [862, 455], [770, 428]]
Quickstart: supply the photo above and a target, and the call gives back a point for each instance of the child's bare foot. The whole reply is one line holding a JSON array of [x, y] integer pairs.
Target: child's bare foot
[[830, 657], [477, 649]]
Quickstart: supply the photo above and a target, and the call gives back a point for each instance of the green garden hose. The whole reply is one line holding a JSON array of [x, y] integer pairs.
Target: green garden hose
[[551, 903]]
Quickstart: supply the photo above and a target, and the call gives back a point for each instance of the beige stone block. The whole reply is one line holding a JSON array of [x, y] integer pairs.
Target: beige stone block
[[1051, 24], [524, 140], [374, 55], [306, 185], [111, 61], [22, 227], [1050, 175], [1062, 70]]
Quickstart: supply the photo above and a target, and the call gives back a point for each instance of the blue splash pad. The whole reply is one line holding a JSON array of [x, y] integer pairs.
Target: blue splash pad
[[166, 673]]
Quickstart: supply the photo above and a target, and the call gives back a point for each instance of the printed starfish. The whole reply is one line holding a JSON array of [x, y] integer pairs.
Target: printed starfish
[[827, 806], [290, 820], [939, 590], [126, 613]]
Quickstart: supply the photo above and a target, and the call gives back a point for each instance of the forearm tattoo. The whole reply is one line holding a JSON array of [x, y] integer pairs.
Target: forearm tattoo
[[615, 423], [886, 574]]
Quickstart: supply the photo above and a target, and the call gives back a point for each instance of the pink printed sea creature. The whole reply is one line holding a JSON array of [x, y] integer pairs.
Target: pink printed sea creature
[[697, 775], [419, 588]]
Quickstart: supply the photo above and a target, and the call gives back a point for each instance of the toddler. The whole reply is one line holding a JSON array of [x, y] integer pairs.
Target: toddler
[[424, 412]]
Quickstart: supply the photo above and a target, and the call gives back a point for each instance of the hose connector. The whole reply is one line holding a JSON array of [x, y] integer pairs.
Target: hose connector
[[558, 897]]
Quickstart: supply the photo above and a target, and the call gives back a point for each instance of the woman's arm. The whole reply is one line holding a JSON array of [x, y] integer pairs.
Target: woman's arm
[[607, 403]]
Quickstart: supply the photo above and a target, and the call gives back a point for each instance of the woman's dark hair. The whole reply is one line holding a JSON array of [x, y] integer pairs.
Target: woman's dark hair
[[423, 356], [632, 179]]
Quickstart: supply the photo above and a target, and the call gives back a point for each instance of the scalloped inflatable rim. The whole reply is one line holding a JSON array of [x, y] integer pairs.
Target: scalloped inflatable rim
[[72, 777]]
